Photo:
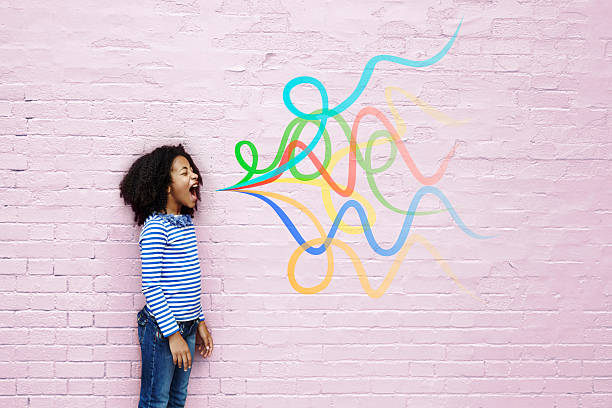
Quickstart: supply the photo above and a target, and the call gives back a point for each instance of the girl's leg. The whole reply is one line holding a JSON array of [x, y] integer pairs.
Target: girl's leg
[[178, 388], [157, 365]]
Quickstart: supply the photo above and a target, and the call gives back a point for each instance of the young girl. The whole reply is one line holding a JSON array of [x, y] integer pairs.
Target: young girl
[[162, 188]]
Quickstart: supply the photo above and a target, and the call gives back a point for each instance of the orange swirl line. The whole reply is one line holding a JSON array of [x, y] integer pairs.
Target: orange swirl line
[[350, 186]]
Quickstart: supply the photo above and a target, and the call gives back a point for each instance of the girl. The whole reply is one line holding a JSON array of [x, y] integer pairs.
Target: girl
[[162, 188]]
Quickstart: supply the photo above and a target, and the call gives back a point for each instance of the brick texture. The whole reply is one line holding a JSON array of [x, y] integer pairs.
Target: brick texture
[[87, 87]]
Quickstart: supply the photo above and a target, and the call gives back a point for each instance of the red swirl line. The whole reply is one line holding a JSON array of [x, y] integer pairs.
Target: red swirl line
[[350, 186]]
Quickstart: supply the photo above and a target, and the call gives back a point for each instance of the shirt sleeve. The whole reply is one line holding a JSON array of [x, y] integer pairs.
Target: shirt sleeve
[[153, 240], [201, 317]]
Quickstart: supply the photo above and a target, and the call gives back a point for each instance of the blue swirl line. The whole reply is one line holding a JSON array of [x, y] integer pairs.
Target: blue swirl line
[[401, 239], [327, 113]]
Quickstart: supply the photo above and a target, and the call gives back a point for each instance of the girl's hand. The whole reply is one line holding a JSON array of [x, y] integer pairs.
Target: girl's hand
[[180, 351], [206, 342]]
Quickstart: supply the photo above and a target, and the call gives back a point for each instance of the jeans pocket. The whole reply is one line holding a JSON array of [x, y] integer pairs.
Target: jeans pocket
[[187, 328], [194, 327], [142, 322], [159, 336]]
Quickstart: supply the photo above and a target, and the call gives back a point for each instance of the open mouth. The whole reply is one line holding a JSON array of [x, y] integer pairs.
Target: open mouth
[[193, 192]]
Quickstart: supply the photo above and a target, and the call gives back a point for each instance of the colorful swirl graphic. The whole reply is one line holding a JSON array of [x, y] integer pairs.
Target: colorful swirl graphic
[[357, 264], [292, 151], [328, 113], [365, 223]]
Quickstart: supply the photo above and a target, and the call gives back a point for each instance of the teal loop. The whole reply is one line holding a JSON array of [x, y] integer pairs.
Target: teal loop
[[326, 112]]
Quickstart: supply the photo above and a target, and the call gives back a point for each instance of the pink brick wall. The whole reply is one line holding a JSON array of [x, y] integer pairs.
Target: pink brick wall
[[88, 86]]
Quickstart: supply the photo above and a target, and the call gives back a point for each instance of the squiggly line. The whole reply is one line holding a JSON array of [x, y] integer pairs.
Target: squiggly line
[[430, 110], [326, 189], [331, 211], [326, 112], [357, 264], [345, 192], [366, 225], [296, 126], [375, 139]]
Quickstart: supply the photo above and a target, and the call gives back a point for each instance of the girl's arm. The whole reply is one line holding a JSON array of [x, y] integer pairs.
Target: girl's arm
[[153, 239]]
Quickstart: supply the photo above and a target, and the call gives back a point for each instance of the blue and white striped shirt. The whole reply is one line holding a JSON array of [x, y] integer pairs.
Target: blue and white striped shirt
[[171, 280]]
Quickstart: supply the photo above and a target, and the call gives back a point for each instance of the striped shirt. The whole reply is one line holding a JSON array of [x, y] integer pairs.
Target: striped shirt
[[171, 280]]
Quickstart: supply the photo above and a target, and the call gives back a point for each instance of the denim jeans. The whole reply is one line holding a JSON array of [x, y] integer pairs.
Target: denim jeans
[[162, 384]]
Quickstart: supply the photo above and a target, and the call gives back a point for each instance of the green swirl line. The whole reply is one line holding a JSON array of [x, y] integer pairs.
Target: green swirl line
[[294, 130]]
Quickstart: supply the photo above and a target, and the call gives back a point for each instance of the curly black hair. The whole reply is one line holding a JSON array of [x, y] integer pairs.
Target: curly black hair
[[145, 185]]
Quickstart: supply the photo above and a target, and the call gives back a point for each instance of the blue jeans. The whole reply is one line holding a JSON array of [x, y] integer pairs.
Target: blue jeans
[[162, 384]]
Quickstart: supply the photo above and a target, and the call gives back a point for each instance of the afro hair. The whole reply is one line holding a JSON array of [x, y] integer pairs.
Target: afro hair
[[145, 185]]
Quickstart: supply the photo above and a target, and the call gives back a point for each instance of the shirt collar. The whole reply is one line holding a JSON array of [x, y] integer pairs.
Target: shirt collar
[[181, 220]]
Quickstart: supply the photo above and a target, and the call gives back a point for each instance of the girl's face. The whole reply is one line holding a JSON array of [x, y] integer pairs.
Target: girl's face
[[180, 191]]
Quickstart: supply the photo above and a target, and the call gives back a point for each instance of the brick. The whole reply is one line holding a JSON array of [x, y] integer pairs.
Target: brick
[[40, 353], [80, 302], [41, 284], [37, 369], [80, 353], [80, 387], [14, 401], [105, 353], [42, 318], [118, 369], [79, 370], [116, 387], [36, 386], [13, 370], [80, 319], [82, 336]]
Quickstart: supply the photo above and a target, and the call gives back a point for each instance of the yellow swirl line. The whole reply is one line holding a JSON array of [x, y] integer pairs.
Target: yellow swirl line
[[326, 191], [430, 110], [357, 264], [340, 154]]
